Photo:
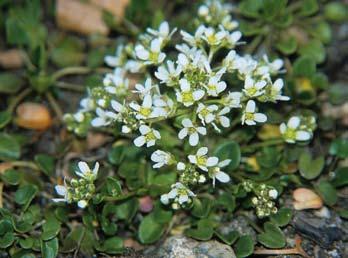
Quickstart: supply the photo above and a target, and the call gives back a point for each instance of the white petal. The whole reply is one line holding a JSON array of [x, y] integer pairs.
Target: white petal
[[202, 130], [282, 128], [250, 107], [278, 84], [224, 163], [147, 102], [116, 106], [173, 193], [225, 122], [184, 85], [212, 161], [183, 199], [187, 122], [82, 204], [183, 133], [96, 168], [180, 166], [302, 136], [84, 168], [198, 94], [202, 151], [139, 141], [164, 199], [61, 190], [294, 122], [98, 121], [194, 138], [259, 117], [192, 159], [156, 45], [222, 177]]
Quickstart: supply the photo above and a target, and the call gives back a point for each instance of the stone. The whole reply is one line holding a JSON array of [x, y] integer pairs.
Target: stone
[[184, 247], [11, 59]]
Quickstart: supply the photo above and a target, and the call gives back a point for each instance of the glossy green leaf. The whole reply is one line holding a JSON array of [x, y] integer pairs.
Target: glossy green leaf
[[5, 118], [341, 177], [304, 67], [11, 176], [272, 237], [310, 168], [282, 217], [149, 230], [25, 194], [201, 207], [244, 246], [49, 249], [229, 150], [203, 232], [10, 83], [229, 238], [46, 163], [9, 147], [113, 245], [339, 148], [328, 192]]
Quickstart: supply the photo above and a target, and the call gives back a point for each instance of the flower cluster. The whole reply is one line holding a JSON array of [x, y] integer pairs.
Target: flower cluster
[[263, 201], [298, 129], [189, 84], [79, 190]]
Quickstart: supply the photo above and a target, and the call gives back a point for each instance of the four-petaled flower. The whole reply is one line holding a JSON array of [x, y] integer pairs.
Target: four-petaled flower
[[148, 136], [201, 159], [252, 88], [217, 173], [179, 193], [192, 131], [153, 55], [291, 131], [161, 158], [188, 96], [250, 117]]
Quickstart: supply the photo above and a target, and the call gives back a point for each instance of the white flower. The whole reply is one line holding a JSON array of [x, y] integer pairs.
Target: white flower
[[148, 136], [116, 83], [233, 38], [203, 10], [245, 65], [187, 96], [161, 158], [217, 173], [181, 166], [134, 66], [215, 86], [195, 40], [250, 117], [145, 111], [276, 91], [179, 193], [273, 193], [230, 62], [192, 131], [82, 204], [168, 76], [252, 88], [118, 59], [87, 104], [291, 131], [275, 66], [103, 118], [222, 119], [62, 191], [206, 113], [145, 89], [152, 56], [162, 32], [201, 159], [232, 100], [85, 172], [213, 38], [163, 105]]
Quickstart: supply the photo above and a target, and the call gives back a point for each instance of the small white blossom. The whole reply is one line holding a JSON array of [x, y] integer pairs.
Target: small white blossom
[[275, 66], [292, 132], [232, 100], [161, 158], [212, 37], [195, 40], [103, 118], [163, 31], [145, 111], [206, 113], [116, 60], [116, 83], [179, 194], [233, 38], [181, 166], [62, 191], [201, 159], [215, 86], [217, 173], [245, 65], [148, 136], [86, 172], [223, 120], [276, 91], [134, 66], [153, 55], [273, 193], [168, 76], [250, 117], [192, 131], [252, 88], [187, 96], [87, 104], [145, 89]]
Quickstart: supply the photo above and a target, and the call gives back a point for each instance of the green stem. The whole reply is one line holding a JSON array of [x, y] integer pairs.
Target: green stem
[[25, 164], [70, 86], [70, 70], [54, 105], [254, 44], [18, 99]]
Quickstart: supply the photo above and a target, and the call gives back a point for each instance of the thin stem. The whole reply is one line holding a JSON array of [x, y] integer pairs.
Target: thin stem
[[70, 86], [18, 99], [69, 71], [55, 105], [26, 164], [254, 44]]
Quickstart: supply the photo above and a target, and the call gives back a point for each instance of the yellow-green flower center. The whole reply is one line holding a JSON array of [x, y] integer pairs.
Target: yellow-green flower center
[[145, 111], [187, 96], [249, 116]]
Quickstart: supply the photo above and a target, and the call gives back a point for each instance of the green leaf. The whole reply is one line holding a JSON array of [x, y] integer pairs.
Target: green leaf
[[269, 157], [310, 168], [10, 83], [282, 217], [113, 187], [343, 213], [116, 155], [11, 177], [323, 32], [25, 194], [229, 150], [107, 219], [315, 50], [308, 7], [340, 177], [250, 8], [304, 66], [5, 118], [338, 93], [51, 228], [9, 147], [228, 201], [26, 243], [149, 230], [336, 11], [127, 209], [7, 240], [46, 163], [201, 207], [160, 215], [203, 232], [273, 237], [244, 246], [327, 192], [339, 148], [287, 45], [229, 238], [113, 245], [49, 249]]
